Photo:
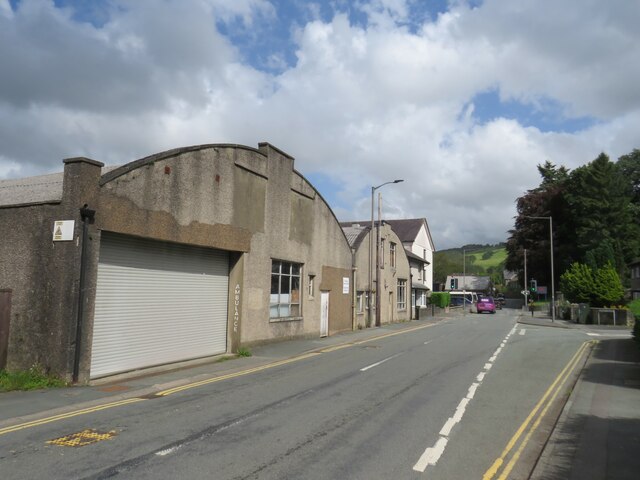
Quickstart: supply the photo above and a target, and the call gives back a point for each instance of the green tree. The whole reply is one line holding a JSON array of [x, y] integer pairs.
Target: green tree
[[601, 215], [608, 287], [629, 166], [577, 283], [547, 200], [600, 287]]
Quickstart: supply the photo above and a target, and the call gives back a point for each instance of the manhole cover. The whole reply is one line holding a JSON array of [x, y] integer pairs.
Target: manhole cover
[[80, 439], [114, 388]]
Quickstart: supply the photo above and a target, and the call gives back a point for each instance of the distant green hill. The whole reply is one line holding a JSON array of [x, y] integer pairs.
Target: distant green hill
[[478, 259]]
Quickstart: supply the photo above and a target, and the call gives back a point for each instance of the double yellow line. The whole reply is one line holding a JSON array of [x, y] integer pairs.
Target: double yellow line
[[538, 413], [170, 391], [64, 416]]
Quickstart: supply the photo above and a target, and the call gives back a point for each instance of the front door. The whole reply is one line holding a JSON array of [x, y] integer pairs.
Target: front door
[[324, 314]]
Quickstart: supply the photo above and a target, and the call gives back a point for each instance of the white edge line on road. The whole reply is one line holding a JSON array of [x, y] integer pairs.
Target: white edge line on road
[[167, 451], [427, 342], [380, 362], [446, 428], [462, 406], [522, 331], [431, 455], [472, 390]]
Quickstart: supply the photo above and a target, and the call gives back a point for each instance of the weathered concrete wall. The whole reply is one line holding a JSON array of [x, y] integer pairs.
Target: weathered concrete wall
[[388, 277], [250, 202], [44, 274], [238, 199], [299, 227]]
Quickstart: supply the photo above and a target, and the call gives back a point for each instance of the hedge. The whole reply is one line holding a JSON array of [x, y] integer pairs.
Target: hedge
[[440, 299]]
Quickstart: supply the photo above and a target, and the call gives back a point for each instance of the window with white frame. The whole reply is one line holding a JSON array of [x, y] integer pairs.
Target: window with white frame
[[421, 300], [285, 289], [402, 294]]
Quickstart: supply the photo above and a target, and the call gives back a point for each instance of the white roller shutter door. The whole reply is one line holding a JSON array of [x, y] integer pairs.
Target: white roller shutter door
[[157, 303]]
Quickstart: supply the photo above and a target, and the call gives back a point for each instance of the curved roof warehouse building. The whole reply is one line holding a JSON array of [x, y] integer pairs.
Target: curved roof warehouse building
[[184, 254]]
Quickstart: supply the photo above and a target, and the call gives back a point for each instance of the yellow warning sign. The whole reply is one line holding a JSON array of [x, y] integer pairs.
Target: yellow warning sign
[[80, 439], [63, 230]]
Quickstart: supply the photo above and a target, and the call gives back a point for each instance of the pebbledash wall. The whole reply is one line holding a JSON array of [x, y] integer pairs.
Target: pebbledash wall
[[250, 203]]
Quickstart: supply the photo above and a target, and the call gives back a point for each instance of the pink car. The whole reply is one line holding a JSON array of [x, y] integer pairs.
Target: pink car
[[486, 304]]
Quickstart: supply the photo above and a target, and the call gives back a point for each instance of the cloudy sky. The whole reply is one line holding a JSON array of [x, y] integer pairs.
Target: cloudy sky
[[461, 99]]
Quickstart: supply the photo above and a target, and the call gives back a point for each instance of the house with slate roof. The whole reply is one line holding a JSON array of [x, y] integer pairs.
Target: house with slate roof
[[394, 275], [418, 244]]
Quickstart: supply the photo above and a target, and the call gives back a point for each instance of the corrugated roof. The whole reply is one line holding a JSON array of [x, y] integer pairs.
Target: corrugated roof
[[355, 233], [38, 189]]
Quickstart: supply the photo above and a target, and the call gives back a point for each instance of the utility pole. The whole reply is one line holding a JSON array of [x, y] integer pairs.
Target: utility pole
[[378, 261], [464, 282], [526, 292]]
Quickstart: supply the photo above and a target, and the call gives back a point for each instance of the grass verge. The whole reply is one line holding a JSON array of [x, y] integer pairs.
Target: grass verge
[[31, 379]]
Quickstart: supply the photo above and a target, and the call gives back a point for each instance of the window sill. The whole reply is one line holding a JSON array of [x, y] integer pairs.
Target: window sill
[[285, 319]]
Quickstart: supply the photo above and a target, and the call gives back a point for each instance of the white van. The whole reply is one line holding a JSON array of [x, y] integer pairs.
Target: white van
[[458, 296]]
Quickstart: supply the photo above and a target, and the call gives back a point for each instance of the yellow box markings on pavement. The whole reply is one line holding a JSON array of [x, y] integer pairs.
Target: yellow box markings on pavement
[[80, 439], [544, 403]]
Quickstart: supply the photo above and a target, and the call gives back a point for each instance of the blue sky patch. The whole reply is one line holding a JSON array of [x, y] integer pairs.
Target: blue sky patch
[[548, 116]]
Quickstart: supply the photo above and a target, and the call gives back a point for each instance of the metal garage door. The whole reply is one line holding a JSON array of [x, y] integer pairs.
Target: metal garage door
[[157, 303]]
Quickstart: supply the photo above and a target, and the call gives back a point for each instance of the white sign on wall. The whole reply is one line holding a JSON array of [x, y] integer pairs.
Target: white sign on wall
[[345, 285], [63, 230]]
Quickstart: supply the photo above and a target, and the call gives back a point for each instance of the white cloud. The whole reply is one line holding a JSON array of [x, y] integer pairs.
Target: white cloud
[[362, 104]]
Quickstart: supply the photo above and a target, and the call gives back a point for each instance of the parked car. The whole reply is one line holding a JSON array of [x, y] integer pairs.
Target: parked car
[[486, 304], [500, 301]]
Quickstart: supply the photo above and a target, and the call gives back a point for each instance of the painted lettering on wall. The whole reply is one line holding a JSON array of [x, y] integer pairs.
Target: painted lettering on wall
[[236, 308]]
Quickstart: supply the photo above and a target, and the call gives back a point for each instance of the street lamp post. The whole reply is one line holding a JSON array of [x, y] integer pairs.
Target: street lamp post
[[370, 316], [464, 282], [553, 291]]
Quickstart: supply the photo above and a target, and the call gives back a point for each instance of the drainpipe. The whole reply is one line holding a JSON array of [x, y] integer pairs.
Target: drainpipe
[[87, 216]]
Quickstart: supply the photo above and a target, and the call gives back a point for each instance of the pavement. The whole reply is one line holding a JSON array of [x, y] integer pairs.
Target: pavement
[[19, 407], [597, 435]]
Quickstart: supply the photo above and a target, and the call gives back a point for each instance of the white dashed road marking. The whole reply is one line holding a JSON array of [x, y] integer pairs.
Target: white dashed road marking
[[432, 454]]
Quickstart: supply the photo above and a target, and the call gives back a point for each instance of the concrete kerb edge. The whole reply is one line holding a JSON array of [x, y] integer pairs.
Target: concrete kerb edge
[[564, 411], [150, 392], [562, 416]]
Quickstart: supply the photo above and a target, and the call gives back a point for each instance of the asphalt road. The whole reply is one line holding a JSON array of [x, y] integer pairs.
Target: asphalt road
[[470, 397]]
